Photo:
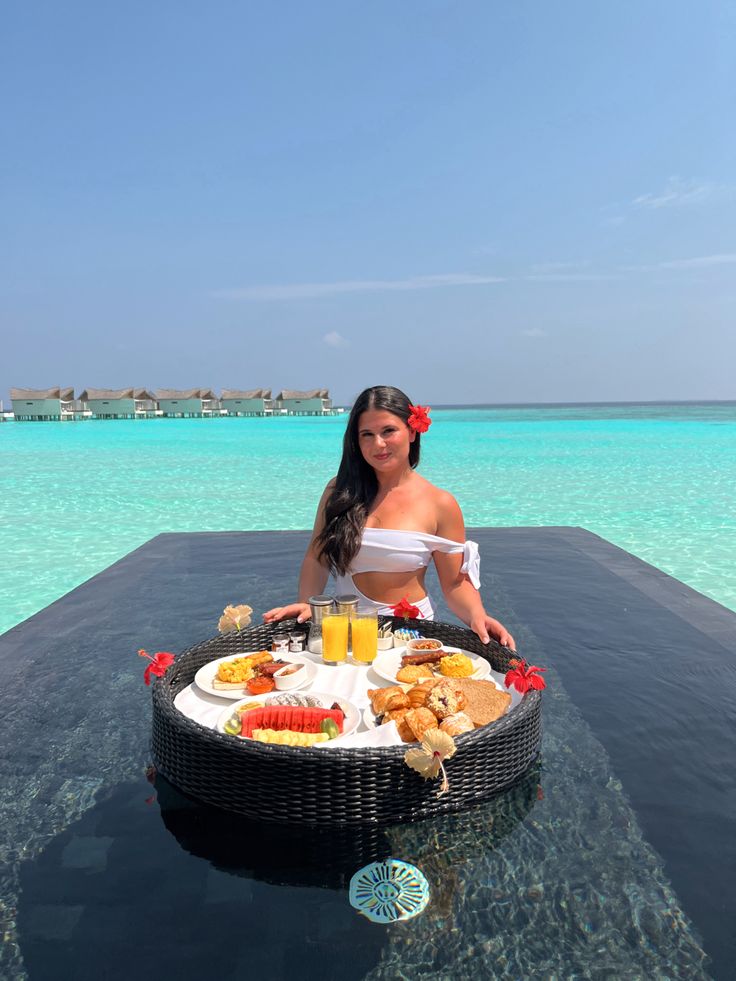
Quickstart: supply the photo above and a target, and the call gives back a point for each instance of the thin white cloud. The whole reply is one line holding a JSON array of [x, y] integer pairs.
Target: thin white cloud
[[696, 262], [700, 262], [334, 339], [293, 291], [534, 332], [560, 267], [569, 277], [677, 192]]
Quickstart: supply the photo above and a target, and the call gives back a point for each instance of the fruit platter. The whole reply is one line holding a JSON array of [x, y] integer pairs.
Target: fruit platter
[[291, 720], [224, 731]]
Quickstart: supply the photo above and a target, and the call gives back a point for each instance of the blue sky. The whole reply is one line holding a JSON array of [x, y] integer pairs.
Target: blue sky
[[477, 202]]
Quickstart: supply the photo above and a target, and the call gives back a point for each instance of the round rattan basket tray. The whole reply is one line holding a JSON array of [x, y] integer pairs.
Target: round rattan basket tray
[[369, 785]]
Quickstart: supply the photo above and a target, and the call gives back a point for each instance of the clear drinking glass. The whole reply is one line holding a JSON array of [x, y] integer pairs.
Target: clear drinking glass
[[364, 628], [335, 638]]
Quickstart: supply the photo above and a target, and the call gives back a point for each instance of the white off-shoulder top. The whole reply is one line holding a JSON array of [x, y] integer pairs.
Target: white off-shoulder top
[[393, 550]]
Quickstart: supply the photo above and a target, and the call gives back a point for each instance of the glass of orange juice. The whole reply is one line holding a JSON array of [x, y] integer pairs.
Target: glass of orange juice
[[364, 628], [335, 638]]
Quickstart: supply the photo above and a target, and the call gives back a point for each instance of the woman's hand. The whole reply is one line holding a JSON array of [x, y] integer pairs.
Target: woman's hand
[[486, 627], [300, 611]]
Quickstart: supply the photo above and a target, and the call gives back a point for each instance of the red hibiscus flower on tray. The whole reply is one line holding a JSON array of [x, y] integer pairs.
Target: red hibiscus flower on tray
[[419, 419], [523, 677], [159, 663], [406, 610]]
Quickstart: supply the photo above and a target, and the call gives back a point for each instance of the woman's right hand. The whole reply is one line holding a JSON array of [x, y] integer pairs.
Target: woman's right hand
[[298, 611]]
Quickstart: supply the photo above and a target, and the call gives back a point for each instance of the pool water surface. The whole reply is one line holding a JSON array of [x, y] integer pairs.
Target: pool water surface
[[574, 872]]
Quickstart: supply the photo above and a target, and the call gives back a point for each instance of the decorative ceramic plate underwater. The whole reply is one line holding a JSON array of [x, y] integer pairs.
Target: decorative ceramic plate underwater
[[389, 891]]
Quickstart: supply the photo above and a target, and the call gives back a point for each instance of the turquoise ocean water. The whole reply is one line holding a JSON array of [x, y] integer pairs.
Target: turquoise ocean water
[[658, 480]]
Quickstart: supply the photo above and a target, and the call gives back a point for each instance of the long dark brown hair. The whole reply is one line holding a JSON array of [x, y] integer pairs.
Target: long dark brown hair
[[356, 485]]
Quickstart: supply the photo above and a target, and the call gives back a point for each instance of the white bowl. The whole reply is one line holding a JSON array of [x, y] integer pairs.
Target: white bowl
[[290, 676], [423, 645]]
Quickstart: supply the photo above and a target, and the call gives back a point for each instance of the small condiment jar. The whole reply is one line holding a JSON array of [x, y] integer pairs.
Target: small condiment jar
[[280, 644], [296, 642]]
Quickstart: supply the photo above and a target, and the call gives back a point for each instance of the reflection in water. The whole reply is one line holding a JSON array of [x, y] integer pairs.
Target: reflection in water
[[328, 856], [181, 889]]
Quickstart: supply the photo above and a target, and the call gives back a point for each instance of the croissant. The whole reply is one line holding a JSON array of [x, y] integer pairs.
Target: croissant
[[394, 715], [419, 720], [385, 699], [455, 724], [417, 696]]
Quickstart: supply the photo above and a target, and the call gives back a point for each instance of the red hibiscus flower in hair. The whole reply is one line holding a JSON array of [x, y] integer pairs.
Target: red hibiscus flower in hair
[[523, 676], [419, 419], [159, 663], [406, 610]]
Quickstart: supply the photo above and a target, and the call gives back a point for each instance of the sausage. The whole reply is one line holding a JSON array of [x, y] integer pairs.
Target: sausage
[[268, 670], [426, 657]]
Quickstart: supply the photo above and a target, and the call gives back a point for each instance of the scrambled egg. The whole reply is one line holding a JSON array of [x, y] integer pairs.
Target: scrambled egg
[[457, 666], [241, 669]]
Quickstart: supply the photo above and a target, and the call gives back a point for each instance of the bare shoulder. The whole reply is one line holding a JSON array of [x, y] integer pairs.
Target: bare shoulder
[[448, 513]]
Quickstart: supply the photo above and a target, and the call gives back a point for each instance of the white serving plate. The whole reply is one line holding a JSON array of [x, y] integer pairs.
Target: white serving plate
[[387, 663], [352, 715], [497, 679], [208, 672]]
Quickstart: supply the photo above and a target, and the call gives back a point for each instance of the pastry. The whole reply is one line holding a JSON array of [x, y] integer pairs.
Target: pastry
[[455, 724], [395, 715], [405, 733], [484, 702], [385, 699], [413, 672], [445, 699], [419, 720], [457, 666]]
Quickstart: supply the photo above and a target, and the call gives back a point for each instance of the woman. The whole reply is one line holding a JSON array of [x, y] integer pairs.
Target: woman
[[379, 523]]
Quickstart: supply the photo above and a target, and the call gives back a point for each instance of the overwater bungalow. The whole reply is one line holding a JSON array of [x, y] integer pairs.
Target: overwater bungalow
[[317, 402], [42, 404], [121, 403], [250, 402], [178, 403]]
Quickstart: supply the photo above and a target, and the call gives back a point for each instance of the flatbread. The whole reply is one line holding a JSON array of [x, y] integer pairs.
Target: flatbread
[[484, 703]]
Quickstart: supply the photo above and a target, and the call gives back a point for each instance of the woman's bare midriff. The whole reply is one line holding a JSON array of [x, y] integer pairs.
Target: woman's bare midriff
[[390, 588]]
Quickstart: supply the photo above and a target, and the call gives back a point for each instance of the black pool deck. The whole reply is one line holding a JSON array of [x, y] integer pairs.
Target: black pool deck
[[648, 663]]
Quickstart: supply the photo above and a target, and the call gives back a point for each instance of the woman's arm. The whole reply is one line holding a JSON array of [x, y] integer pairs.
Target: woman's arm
[[313, 575], [462, 597]]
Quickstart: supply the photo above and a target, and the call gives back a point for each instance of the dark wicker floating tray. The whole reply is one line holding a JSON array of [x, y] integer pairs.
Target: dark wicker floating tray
[[370, 785]]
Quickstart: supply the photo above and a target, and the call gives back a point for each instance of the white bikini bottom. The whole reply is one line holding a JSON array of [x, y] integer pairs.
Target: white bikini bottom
[[345, 584]]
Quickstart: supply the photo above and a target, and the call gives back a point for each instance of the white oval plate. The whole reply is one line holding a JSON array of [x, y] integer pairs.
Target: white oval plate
[[352, 715], [208, 672], [387, 663]]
